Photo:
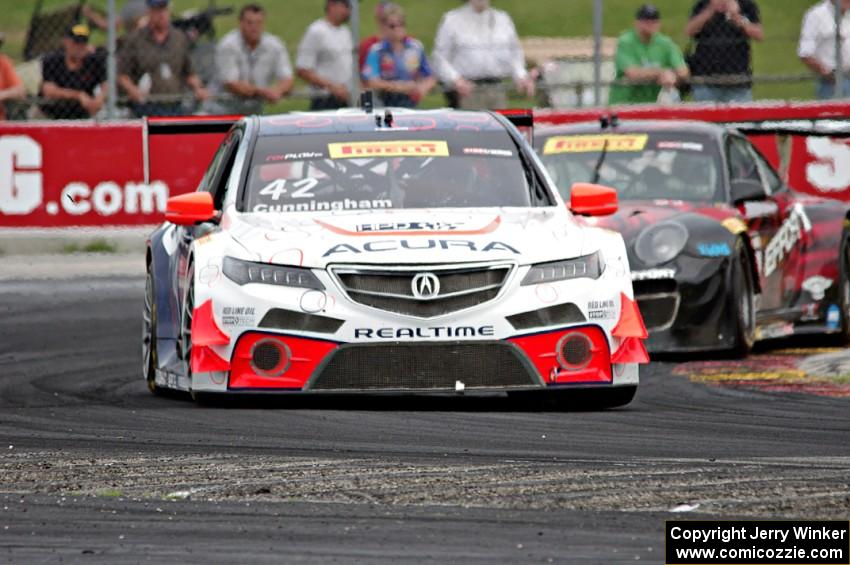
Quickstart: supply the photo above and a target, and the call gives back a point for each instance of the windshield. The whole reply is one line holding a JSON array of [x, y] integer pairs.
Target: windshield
[[641, 166], [385, 170]]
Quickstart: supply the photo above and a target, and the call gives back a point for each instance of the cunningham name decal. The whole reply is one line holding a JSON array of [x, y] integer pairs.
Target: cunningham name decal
[[425, 333], [418, 245]]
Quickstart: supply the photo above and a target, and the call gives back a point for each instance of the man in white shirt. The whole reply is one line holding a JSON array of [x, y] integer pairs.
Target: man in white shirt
[[325, 57], [252, 66], [476, 48], [817, 46]]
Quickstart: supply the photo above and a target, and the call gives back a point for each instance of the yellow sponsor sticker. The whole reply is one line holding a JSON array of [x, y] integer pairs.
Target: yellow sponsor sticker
[[594, 143], [369, 149], [734, 225]]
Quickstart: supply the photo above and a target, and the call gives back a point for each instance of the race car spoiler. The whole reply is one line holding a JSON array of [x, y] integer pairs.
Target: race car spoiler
[[809, 128], [522, 119], [190, 124]]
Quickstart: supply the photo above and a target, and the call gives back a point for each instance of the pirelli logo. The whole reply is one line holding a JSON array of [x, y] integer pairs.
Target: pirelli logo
[[365, 149], [594, 143]]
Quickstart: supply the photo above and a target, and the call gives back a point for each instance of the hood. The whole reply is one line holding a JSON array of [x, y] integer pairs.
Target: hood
[[425, 236], [633, 217]]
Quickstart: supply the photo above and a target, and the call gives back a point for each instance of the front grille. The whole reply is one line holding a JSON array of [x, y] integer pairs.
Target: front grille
[[659, 286], [391, 289], [658, 310], [425, 367]]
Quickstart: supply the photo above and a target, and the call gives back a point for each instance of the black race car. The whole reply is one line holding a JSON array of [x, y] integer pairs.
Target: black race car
[[722, 252]]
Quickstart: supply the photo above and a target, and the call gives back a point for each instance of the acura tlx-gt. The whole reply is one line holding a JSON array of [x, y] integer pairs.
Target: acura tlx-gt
[[401, 252]]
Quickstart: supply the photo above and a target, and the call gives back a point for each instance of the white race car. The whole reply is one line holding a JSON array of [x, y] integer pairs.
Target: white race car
[[401, 252]]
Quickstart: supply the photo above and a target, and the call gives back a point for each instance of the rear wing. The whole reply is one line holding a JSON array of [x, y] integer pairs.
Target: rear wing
[[183, 125], [808, 128], [523, 120]]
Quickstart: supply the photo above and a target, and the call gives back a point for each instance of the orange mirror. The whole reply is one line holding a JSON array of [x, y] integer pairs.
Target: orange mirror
[[189, 209], [588, 199]]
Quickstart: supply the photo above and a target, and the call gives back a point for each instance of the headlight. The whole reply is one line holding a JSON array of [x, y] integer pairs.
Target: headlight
[[589, 266], [245, 272], [661, 243]]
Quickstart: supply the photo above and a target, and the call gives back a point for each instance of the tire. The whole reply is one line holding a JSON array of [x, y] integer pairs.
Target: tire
[[593, 398], [184, 341], [844, 288], [586, 399], [742, 302], [149, 355]]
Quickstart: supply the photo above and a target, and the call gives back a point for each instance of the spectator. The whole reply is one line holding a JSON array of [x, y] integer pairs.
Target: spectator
[[73, 78], [397, 66], [722, 62], [647, 61], [324, 57], [251, 65], [476, 48], [11, 86], [154, 66], [817, 46], [367, 43]]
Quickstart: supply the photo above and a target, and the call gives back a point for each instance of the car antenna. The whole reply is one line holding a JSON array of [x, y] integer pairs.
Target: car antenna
[[598, 167]]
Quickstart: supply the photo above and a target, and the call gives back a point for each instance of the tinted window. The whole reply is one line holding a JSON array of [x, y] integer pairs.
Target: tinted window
[[397, 169], [641, 166], [742, 164]]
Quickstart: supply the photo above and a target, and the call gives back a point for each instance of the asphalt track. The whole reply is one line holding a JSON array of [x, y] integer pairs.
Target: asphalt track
[[95, 469]]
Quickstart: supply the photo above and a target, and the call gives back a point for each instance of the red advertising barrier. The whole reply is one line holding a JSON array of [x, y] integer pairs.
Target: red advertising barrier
[[84, 174], [87, 174], [815, 165]]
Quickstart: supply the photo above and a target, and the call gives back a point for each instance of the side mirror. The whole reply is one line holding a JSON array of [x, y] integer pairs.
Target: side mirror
[[592, 199], [746, 189], [189, 209]]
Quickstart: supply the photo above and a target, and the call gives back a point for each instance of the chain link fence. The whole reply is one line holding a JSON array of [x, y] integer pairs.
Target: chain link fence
[[62, 55]]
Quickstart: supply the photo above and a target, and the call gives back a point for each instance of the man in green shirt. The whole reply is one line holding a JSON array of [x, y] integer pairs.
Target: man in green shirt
[[647, 61]]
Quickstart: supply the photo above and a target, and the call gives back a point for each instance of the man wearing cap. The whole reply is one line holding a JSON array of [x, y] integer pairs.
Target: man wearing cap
[[475, 49], [11, 86], [73, 78], [324, 57], [252, 66], [154, 66], [647, 61]]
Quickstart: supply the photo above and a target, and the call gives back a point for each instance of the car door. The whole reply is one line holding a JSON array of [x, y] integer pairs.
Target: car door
[[786, 251]]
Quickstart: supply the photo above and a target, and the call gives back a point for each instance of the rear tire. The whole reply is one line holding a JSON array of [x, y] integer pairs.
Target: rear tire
[[742, 301]]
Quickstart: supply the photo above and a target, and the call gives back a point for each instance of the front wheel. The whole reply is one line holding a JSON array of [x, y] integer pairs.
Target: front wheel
[[579, 399], [742, 302], [149, 358], [844, 287]]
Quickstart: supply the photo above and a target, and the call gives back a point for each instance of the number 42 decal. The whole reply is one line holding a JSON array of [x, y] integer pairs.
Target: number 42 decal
[[301, 189]]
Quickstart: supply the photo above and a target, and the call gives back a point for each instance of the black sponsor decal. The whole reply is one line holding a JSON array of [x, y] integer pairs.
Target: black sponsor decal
[[424, 333]]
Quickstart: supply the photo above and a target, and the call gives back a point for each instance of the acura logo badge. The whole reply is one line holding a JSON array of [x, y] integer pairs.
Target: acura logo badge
[[425, 285]]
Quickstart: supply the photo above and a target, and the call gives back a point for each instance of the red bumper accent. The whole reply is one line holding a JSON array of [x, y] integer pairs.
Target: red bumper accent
[[542, 351], [631, 350], [631, 322], [307, 354], [205, 333]]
